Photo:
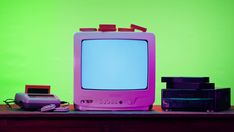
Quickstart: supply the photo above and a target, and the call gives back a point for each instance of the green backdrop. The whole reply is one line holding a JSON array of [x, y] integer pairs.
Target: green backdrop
[[194, 38]]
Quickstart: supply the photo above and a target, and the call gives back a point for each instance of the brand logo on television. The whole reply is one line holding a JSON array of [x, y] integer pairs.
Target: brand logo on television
[[88, 101]]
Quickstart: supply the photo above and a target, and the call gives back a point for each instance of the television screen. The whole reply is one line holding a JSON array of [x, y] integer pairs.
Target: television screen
[[113, 64]]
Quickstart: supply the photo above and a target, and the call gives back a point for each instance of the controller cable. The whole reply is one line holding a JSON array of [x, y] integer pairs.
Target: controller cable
[[8, 102]]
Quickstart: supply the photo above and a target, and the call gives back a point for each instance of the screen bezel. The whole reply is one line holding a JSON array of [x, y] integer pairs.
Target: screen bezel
[[116, 89]]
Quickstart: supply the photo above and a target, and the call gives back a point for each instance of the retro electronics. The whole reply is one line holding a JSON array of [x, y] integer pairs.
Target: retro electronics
[[35, 97], [193, 94], [114, 70], [35, 101]]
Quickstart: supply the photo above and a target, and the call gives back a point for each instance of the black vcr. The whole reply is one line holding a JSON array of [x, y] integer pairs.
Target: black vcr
[[193, 94]]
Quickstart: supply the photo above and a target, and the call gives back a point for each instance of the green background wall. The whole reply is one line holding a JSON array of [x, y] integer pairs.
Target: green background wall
[[194, 38]]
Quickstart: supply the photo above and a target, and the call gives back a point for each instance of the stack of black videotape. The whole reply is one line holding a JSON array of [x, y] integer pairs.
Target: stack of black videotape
[[193, 94]]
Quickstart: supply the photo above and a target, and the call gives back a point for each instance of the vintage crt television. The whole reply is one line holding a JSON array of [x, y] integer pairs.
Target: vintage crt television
[[114, 70]]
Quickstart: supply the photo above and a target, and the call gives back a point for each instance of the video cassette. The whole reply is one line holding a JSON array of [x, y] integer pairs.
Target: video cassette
[[186, 85], [185, 79]]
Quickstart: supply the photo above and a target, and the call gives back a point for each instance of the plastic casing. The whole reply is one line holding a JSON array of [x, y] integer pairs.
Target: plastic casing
[[114, 99], [39, 100]]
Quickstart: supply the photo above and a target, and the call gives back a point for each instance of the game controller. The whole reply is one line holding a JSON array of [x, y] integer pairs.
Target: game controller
[[48, 108], [52, 107], [61, 109]]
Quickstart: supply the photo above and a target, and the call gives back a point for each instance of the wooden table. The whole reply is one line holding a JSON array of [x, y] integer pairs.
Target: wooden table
[[115, 121]]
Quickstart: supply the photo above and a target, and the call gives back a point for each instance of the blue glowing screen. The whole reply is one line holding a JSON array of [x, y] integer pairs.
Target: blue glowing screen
[[114, 64]]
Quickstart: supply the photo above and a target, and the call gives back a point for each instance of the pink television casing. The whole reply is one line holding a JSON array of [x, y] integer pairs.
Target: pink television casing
[[114, 99]]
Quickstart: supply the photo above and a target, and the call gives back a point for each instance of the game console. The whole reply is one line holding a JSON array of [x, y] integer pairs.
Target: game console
[[29, 101], [37, 97]]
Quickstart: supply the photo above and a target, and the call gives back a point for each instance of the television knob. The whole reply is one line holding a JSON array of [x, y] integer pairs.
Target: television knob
[[129, 102], [101, 101], [112, 102]]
